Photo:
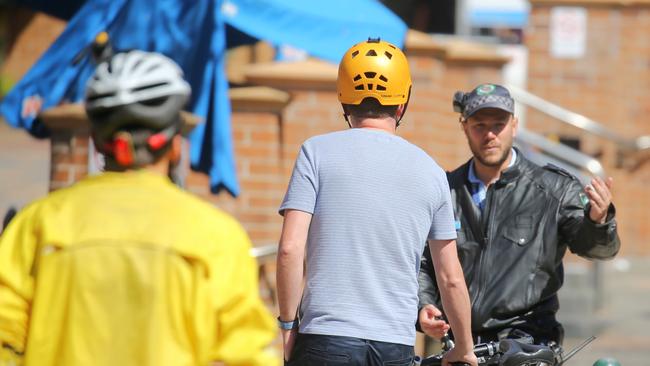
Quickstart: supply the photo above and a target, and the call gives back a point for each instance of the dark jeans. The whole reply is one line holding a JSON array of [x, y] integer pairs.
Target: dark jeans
[[323, 350]]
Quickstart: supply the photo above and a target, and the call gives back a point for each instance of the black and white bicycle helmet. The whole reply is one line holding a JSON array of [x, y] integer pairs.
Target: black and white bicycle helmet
[[133, 101]]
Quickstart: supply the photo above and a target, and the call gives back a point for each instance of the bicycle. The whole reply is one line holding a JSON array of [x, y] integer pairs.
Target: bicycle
[[510, 352]]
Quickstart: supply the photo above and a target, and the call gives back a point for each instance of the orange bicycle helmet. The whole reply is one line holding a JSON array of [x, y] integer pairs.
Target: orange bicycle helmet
[[374, 69]]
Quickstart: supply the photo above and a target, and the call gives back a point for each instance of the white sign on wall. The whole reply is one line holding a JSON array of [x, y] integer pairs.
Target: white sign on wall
[[568, 30]]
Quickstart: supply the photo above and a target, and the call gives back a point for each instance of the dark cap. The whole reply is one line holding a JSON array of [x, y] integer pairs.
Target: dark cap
[[483, 96]]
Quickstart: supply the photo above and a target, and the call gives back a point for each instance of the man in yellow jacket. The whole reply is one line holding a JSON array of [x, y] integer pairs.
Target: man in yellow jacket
[[124, 268]]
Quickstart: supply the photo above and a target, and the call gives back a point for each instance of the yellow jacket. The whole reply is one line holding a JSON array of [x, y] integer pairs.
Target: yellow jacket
[[126, 269]]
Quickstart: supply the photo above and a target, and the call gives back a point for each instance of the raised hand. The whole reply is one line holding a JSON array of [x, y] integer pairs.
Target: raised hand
[[600, 197]]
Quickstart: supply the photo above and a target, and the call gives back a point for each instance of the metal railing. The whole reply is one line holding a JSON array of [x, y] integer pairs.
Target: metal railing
[[579, 121], [560, 153], [264, 253]]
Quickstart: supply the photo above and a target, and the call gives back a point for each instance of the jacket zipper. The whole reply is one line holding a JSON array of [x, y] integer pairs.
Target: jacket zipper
[[485, 230]]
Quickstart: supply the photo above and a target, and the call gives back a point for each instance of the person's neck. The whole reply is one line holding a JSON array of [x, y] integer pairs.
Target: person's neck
[[490, 174], [161, 167], [377, 124]]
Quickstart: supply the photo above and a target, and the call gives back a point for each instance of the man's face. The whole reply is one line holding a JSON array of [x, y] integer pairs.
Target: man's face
[[490, 133]]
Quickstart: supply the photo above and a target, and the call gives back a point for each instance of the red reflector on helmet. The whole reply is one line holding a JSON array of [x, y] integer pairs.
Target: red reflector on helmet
[[157, 141], [122, 152]]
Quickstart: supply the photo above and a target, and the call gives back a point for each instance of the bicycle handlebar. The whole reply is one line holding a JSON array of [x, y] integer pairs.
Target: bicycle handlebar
[[506, 352]]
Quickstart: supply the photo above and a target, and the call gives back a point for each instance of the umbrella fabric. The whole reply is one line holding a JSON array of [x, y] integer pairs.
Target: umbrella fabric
[[324, 29], [189, 31]]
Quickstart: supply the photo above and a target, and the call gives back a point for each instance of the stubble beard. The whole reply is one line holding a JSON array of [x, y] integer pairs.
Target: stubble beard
[[490, 162]]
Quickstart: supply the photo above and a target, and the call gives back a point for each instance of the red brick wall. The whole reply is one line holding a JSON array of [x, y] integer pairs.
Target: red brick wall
[[610, 84], [69, 157], [259, 170]]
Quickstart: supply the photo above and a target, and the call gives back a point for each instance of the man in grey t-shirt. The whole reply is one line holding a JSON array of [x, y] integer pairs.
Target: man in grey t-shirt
[[364, 202]]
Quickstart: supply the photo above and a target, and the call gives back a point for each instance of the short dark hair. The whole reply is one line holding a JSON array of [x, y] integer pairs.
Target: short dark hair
[[370, 108]]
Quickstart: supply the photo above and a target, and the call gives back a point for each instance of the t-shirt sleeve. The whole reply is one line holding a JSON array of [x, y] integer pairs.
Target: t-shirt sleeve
[[303, 185], [443, 226]]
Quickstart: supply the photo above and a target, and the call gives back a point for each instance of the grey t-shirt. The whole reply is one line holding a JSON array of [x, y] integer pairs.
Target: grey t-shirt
[[375, 200]]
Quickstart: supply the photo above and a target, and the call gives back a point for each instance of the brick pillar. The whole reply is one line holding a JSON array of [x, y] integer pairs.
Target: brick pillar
[[70, 135], [69, 156], [257, 140]]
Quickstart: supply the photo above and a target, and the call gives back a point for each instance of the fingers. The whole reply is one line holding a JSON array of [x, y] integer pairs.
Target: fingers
[[437, 330], [602, 189], [432, 311], [599, 193], [595, 199], [428, 313], [600, 197], [609, 182]]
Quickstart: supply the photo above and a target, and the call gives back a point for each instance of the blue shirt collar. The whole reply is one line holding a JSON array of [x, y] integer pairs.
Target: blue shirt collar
[[471, 176]]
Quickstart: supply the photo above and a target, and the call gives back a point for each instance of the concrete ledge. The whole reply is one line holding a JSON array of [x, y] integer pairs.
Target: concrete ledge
[[65, 117], [452, 51], [320, 75], [309, 74], [588, 3], [73, 116], [258, 99], [422, 44]]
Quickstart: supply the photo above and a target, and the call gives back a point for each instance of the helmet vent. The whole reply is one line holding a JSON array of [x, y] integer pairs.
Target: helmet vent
[[150, 86], [92, 98], [370, 75], [391, 46], [355, 53], [371, 53], [359, 87], [154, 102], [383, 78], [369, 86], [153, 67], [137, 63], [357, 78], [381, 88], [388, 54]]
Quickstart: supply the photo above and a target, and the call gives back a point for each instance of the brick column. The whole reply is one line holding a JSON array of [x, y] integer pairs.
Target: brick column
[[257, 139], [70, 136], [69, 156]]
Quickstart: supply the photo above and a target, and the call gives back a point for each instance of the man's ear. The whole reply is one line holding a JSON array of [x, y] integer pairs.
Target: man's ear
[[515, 125], [400, 111], [462, 122]]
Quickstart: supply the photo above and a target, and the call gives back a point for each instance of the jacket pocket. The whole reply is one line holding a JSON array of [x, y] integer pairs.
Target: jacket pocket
[[522, 229], [519, 236]]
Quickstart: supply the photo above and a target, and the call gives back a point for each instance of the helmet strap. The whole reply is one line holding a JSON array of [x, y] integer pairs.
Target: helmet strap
[[404, 110], [345, 115]]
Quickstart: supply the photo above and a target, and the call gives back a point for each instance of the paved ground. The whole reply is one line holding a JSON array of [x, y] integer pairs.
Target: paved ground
[[623, 324]]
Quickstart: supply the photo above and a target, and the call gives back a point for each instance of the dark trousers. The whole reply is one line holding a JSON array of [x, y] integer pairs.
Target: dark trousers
[[324, 350]]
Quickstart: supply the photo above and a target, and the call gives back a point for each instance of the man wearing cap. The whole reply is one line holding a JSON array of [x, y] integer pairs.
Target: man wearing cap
[[514, 223]]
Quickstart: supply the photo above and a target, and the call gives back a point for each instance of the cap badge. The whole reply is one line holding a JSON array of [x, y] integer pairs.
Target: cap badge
[[485, 89]]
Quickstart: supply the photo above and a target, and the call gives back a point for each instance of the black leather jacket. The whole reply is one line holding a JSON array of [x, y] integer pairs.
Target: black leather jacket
[[512, 253]]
